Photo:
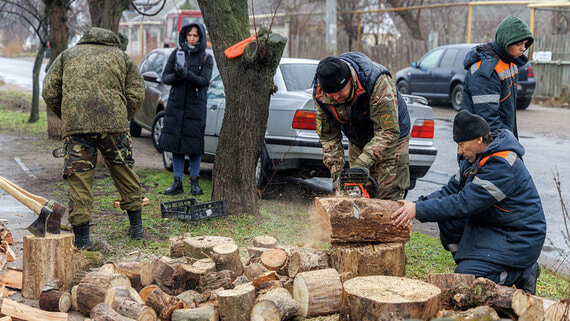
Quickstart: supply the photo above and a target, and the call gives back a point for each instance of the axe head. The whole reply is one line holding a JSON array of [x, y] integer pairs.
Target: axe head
[[38, 227]]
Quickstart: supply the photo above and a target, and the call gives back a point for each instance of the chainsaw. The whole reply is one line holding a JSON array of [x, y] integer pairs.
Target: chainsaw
[[352, 182]]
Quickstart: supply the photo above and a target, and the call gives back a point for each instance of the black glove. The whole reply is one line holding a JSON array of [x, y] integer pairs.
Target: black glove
[[179, 71]]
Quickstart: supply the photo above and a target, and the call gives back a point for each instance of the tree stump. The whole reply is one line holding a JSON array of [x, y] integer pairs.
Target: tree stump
[[211, 281], [317, 292], [446, 281], [356, 220], [274, 259], [378, 297], [162, 303], [135, 310], [265, 241], [277, 304], [24, 312], [482, 312], [227, 257], [205, 313], [104, 312], [55, 301], [97, 287], [306, 259], [369, 259], [200, 247], [236, 304], [139, 273], [46, 259], [207, 265]]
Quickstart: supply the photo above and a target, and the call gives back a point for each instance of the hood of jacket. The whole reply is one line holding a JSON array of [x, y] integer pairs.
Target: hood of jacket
[[512, 30], [100, 36], [201, 46], [503, 139], [490, 52]]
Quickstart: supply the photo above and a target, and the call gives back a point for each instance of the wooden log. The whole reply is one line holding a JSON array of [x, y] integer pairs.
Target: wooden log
[[207, 265], [191, 298], [163, 272], [106, 279], [176, 246], [317, 292], [187, 277], [369, 259], [123, 293], [211, 281], [137, 311], [46, 259], [6, 318], [347, 219], [255, 253], [305, 259], [5, 234], [446, 281], [12, 279], [482, 312], [74, 298], [535, 312], [274, 259], [254, 270], [242, 279], [24, 312], [265, 277], [205, 313], [277, 304], [145, 292], [89, 295], [227, 257], [104, 312], [558, 312], [380, 297], [55, 301], [265, 241], [236, 304], [108, 268], [3, 261], [163, 303], [200, 247], [10, 255], [139, 273]]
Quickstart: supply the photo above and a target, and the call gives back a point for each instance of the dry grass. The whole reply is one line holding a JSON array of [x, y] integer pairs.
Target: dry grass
[[13, 49]]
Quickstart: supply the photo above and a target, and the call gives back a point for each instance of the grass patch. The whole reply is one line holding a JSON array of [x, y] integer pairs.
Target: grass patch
[[15, 112]]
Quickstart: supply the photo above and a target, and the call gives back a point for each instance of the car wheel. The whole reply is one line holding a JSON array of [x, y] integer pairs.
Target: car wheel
[[167, 162], [403, 87], [523, 103], [457, 97], [156, 131], [264, 173], [134, 129]]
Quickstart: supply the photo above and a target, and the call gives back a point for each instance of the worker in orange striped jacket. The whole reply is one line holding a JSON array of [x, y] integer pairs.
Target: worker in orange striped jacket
[[490, 86], [489, 214]]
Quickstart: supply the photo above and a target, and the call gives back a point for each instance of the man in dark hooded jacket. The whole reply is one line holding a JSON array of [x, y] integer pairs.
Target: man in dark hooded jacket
[[490, 86], [489, 214], [96, 88], [357, 97]]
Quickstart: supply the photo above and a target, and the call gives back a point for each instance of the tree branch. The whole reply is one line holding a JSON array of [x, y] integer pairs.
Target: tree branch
[[150, 5]]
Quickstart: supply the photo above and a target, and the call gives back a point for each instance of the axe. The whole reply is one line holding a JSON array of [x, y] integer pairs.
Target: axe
[[38, 227]]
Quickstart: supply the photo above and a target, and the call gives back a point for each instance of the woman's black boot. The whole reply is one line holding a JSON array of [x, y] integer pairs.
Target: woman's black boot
[[195, 186], [82, 241], [136, 228], [175, 188]]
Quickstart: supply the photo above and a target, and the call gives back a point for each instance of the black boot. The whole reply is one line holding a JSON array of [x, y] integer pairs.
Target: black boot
[[82, 241], [136, 228], [195, 186], [175, 188]]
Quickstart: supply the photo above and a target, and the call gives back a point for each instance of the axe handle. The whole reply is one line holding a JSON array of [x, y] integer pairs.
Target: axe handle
[[30, 203], [39, 199]]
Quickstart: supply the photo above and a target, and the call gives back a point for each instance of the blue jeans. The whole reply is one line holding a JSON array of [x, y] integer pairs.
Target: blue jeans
[[178, 165]]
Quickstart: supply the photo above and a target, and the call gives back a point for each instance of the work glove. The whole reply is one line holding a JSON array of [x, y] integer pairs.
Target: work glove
[[179, 71]]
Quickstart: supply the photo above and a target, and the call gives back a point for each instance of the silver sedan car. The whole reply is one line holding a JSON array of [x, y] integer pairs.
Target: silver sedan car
[[292, 145]]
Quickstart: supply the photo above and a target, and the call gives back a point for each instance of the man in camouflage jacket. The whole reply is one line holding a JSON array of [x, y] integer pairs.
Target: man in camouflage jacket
[[96, 88], [357, 97]]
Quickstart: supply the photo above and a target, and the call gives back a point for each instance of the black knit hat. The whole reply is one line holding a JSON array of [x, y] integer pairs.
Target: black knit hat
[[467, 126], [333, 74]]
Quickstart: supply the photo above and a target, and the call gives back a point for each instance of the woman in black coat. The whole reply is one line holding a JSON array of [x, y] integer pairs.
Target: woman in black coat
[[185, 115]]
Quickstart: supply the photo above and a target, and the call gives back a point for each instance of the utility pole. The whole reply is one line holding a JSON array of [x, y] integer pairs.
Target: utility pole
[[331, 27]]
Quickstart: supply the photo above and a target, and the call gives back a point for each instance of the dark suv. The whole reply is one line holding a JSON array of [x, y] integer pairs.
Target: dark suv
[[439, 76]]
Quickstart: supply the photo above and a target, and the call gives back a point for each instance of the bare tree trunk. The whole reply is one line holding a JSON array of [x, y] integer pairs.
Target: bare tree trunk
[[107, 13], [248, 82], [413, 23]]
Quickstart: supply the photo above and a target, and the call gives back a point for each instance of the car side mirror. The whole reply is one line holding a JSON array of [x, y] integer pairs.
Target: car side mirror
[[414, 64], [150, 76]]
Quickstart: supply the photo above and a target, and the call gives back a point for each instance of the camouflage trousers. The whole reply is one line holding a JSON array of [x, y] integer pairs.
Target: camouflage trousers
[[80, 161], [392, 173]]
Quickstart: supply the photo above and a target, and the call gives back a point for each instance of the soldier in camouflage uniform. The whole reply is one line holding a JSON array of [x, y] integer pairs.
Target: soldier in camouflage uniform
[[96, 88], [357, 97]]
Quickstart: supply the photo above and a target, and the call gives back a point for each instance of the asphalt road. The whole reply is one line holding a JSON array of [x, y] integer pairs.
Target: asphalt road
[[19, 72]]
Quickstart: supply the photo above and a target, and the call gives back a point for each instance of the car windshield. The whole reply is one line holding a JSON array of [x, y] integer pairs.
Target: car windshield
[[298, 77]]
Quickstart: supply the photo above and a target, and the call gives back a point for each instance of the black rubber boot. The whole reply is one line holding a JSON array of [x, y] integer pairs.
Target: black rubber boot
[[530, 276], [195, 188], [136, 228], [175, 188], [82, 241]]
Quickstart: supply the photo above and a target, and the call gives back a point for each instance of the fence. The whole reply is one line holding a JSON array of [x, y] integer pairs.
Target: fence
[[553, 77]]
